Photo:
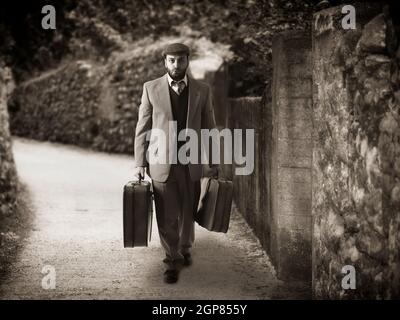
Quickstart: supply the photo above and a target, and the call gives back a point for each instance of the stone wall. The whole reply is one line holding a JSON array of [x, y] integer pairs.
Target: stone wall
[[252, 192], [356, 157], [8, 174], [291, 156], [276, 198]]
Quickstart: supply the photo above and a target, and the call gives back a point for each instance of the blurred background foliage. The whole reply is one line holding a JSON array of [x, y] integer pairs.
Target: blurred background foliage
[[95, 29]]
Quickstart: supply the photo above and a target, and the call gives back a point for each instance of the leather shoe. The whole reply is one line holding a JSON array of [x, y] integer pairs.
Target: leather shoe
[[171, 276], [187, 259]]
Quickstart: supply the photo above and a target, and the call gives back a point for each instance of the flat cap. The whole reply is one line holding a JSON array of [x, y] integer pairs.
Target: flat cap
[[176, 48]]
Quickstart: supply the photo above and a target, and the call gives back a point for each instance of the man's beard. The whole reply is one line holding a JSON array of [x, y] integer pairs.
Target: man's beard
[[178, 75]]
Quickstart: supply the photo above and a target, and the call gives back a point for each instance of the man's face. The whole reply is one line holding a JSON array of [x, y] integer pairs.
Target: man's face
[[176, 65]]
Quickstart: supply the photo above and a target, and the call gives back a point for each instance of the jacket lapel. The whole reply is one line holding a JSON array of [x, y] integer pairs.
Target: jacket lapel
[[163, 96]]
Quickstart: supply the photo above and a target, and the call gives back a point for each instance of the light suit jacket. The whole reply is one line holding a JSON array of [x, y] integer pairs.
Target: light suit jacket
[[155, 112]]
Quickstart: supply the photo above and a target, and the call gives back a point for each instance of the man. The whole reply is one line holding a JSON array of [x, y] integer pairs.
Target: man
[[174, 97]]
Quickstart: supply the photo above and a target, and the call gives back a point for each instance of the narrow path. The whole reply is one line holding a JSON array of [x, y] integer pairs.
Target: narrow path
[[77, 229]]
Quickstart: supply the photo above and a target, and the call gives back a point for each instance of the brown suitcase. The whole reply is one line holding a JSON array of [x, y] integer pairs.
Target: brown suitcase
[[215, 204], [137, 213]]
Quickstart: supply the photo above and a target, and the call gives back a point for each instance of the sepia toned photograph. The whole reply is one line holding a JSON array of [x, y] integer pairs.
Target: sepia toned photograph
[[211, 150]]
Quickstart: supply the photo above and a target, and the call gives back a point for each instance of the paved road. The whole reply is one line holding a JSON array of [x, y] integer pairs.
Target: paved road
[[77, 229]]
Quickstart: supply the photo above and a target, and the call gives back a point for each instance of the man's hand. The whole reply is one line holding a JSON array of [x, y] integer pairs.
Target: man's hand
[[140, 172], [211, 172], [214, 172]]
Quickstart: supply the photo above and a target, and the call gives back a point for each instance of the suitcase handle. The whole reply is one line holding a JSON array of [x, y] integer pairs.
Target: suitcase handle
[[141, 178]]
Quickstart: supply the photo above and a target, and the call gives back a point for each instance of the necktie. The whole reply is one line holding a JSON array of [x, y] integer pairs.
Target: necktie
[[178, 86]]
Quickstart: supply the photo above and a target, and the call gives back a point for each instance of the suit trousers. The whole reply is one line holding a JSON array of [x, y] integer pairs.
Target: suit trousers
[[176, 202]]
